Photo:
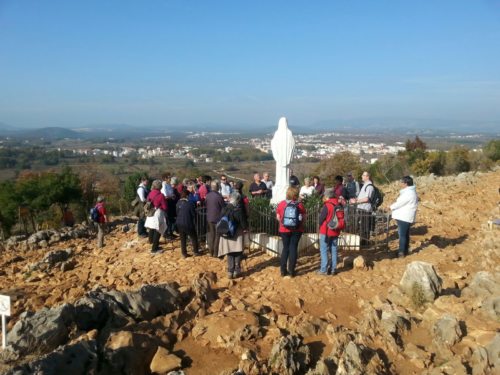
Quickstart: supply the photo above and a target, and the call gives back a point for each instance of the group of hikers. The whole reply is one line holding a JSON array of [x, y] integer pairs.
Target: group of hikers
[[168, 208]]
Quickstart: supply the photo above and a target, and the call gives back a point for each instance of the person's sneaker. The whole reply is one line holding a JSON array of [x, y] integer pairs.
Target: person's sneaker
[[185, 256], [401, 255], [321, 273], [155, 252], [283, 274], [229, 275], [236, 275]]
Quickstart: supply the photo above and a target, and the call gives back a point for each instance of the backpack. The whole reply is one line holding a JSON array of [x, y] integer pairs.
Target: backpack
[[334, 222], [226, 227], [377, 198], [149, 209], [135, 202], [94, 214], [291, 216]]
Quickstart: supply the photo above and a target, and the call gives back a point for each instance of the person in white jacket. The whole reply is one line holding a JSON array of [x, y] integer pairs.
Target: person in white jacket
[[404, 211]]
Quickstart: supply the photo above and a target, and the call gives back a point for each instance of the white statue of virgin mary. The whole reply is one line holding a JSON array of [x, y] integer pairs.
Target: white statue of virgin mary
[[282, 146]]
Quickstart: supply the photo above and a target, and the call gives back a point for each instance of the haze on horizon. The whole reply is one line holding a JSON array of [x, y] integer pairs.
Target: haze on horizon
[[78, 64]]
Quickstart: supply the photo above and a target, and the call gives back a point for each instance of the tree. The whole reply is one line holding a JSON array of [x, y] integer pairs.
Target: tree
[[8, 206], [389, 168], [457, 160], [416, 144], [131, 184], [339, 164], [492, 149]]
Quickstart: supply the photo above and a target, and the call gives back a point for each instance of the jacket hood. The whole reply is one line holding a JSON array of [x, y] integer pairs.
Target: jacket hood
[[409, 188]]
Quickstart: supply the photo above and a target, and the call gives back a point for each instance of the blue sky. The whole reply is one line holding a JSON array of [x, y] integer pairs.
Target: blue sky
[[161, 63]]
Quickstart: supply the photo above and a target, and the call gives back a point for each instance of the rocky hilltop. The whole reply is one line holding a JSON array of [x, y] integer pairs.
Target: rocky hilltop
[[82, 310]]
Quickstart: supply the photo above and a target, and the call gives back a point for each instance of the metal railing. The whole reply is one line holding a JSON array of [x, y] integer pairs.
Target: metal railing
[[363, 230]]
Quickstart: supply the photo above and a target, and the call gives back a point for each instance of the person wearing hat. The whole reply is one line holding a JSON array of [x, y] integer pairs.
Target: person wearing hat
[[101, 223], [404, 211], [294, 182]]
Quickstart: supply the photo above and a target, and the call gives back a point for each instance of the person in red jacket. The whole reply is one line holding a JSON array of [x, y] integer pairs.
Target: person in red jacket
[[156, 223], [328, 238], [290, 236], [103, 219]]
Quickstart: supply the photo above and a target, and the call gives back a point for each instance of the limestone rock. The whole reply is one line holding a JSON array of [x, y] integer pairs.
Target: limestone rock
[[493, 349], [483, 284], [68, 265], [289, 356], [90, 313], [479, 361], [129, 353], [77, 359], [420, 280], [447, 330], [358, 360], [149, 301], [41, 332], [163, 362], [227, 329], [323, 367], [359, 262]]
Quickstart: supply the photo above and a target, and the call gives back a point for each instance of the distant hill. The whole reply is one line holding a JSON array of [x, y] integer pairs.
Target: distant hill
[[48, 133]]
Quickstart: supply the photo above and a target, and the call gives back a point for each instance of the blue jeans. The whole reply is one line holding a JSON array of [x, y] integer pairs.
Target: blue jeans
[[404, 236], [328, 245], [289, 253]]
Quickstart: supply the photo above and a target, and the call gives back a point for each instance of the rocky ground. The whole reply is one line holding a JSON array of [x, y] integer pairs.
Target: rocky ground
[[122, 310]]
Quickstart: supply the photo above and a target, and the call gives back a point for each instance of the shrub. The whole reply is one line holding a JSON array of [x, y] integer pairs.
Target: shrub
[[492, 150], [417, 295]]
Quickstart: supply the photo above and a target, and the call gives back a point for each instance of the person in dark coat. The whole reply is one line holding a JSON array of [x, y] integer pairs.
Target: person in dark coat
[[233, 246], [185, 223], [214, 204]]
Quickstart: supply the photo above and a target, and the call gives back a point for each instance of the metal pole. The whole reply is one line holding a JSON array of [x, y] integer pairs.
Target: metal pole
[[4, 332]]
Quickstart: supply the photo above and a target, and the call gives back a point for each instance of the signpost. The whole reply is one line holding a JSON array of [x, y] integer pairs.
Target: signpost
[[4, 311]]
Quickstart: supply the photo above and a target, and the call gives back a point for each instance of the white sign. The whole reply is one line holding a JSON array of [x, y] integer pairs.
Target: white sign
[[4, 305], [4, 311]]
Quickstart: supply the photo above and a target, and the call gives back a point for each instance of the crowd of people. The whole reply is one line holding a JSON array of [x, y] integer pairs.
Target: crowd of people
[[168, 208]]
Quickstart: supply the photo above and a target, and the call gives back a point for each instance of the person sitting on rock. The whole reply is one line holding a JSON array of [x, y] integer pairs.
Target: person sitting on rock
[[233, 246], [156, 223]]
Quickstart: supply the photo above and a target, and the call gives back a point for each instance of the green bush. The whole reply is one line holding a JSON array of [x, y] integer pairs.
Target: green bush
[[492, 150]]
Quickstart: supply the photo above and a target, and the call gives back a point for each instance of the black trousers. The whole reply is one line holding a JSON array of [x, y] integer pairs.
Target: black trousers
[[365, 225], [141, 230], [154, 239], [212, 239], [194, 241], [290, 252]]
